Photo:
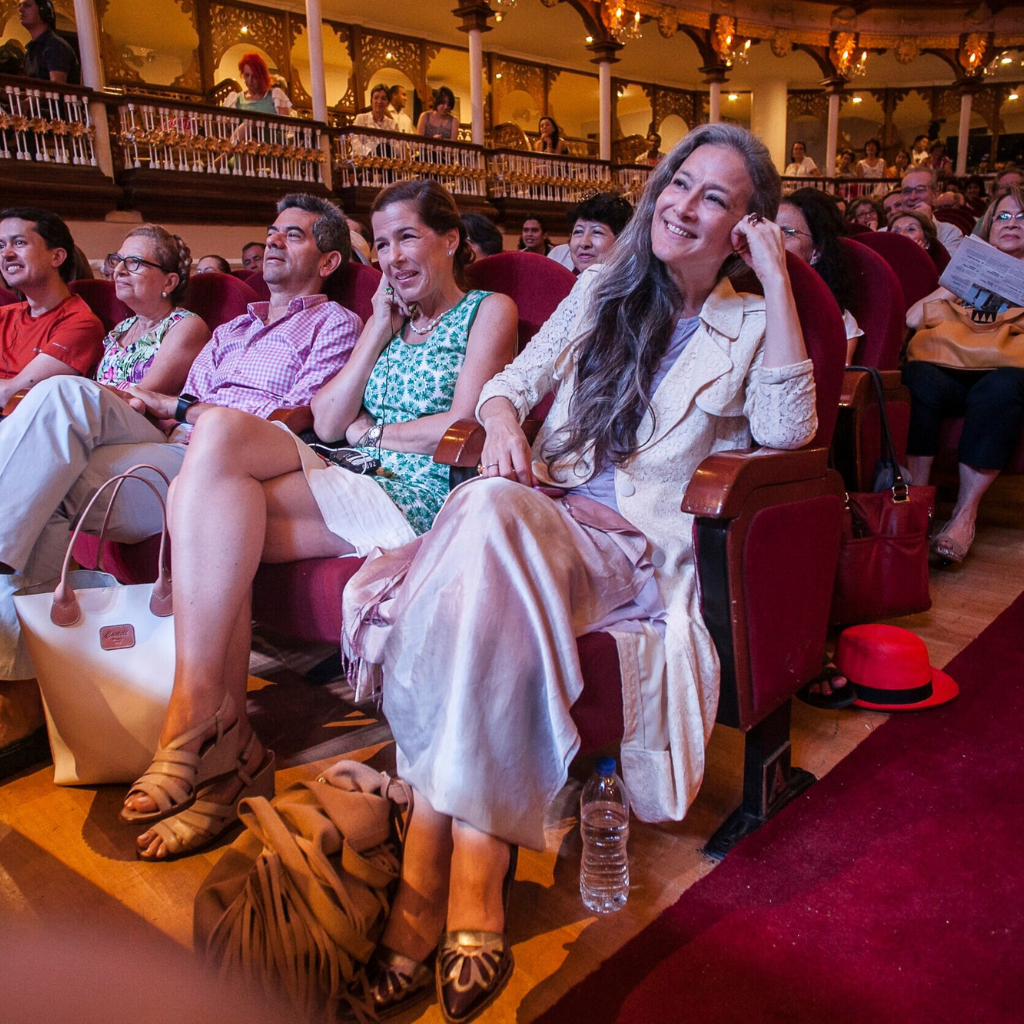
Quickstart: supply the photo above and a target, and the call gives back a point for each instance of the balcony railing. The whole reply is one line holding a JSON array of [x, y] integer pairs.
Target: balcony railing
[[843, 188], [48, 123], [540, 178], [216, 141], [366, 158]]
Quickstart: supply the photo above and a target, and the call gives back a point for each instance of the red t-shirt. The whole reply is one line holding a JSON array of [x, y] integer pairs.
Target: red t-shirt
[[69, 332]]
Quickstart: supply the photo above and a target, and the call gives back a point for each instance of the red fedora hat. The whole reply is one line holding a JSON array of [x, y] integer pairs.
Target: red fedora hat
[[890, 670]]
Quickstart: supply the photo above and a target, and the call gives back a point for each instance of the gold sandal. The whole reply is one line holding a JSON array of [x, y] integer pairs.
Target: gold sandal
[[175, 775], [205, 821], [950, 550]]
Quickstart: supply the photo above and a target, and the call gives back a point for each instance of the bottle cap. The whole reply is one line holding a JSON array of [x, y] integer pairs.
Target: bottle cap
[[605, 766]]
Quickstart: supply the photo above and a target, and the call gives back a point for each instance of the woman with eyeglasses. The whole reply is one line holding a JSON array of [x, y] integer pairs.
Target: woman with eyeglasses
[[812, 227], [154, 347], [865, 212], [967, 359]]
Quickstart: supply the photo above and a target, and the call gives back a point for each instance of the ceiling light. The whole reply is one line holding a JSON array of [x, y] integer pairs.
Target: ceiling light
[[858, 99], [589, 39], [1013, 96], [734, 96], [389, 55], [497, 19], [1006, 60], [498, 75], [244, 30]]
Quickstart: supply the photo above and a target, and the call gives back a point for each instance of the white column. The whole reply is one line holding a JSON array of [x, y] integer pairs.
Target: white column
[[317, 81], [832, 143], [88, 30], [715, 102], [476, 85], [605, 89], [966, 99], [768, 117]]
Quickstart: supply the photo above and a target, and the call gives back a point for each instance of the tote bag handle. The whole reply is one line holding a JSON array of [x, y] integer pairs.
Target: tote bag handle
[[65, 610]]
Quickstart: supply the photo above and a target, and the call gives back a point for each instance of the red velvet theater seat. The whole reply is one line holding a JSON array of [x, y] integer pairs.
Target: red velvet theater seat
[[100, 296], [878, 303], [7, 297], [217, 298], [915, 269]]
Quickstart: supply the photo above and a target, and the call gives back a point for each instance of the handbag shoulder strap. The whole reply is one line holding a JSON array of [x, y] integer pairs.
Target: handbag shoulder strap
[[888, 448]]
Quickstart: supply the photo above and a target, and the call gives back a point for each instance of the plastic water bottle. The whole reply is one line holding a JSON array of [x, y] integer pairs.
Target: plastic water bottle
[[604, 823]]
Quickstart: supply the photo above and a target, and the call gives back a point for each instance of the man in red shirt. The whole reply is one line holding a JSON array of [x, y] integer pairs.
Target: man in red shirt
[[52, 331]]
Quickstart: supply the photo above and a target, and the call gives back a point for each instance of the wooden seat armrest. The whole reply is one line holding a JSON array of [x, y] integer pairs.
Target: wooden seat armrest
[[296, 420], [857, 386], [463, 443], [15, 399], [724, 481]]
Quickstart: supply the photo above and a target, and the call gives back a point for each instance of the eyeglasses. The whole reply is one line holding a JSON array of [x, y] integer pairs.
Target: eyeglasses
[[793, 232], [916, 190], [1019, 215], [131, 263]]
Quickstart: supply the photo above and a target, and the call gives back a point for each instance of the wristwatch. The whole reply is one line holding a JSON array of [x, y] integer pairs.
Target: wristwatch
[[372, 437], [185, 402]]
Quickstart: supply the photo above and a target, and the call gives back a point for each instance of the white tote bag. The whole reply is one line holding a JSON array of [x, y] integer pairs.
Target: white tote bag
[[104, 659]]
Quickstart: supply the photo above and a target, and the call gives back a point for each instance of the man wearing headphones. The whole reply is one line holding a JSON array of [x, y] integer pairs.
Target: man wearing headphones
[[47, 55]]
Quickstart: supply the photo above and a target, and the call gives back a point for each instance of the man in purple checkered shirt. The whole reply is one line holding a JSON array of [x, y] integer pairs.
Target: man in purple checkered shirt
[[69, 434]]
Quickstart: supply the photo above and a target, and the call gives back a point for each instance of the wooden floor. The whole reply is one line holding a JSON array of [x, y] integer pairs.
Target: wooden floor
[[64, 856]]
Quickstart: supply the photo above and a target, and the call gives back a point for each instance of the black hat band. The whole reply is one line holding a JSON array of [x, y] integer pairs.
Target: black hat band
[[914, 695]]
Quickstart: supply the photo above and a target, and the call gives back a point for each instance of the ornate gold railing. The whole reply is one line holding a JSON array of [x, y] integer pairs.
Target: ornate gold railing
[[366, 158], [213, 140], [541, 178], [46, 123], [630, 180], [844, 188]]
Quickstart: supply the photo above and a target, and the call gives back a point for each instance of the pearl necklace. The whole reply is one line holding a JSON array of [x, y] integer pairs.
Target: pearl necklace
[[426, 330]]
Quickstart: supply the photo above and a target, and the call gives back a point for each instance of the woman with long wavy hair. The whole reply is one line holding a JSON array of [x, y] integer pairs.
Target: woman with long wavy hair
[[655, 362]]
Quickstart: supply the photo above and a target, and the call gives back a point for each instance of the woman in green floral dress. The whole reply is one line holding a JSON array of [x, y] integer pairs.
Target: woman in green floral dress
[[250, 492]]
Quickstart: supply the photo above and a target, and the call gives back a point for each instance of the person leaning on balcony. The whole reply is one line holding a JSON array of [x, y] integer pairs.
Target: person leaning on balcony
[[47, 55], [800, 165], [276, 354], [440, 123], [51, 332], [652, 155], [377, 115], [549, 138], [260, 96]]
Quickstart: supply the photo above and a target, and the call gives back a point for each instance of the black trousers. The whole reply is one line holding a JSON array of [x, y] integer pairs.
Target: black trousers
[[991, 402]]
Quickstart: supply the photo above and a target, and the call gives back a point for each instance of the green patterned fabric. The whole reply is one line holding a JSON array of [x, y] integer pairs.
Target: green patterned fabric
[[414, 380]]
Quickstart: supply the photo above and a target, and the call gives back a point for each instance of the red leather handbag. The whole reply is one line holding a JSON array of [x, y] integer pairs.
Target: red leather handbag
[[883, 557]]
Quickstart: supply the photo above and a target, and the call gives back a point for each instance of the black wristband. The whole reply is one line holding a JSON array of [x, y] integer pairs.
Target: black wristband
[[185, 402]]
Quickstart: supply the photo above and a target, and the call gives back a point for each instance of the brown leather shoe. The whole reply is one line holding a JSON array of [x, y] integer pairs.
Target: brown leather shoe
[[473, 967]]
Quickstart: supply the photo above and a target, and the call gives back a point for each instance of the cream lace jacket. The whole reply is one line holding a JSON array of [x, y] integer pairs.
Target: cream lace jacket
[[716, 397]]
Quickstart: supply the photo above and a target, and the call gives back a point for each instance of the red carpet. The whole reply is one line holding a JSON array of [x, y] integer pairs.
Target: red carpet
[[890, 892]]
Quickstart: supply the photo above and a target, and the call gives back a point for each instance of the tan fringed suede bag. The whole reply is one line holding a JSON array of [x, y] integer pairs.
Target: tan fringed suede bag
[[297, 905]]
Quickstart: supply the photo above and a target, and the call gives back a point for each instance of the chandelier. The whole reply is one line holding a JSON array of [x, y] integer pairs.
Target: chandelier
[[503, 7], [727, 44], [844, 52], [620, 23]]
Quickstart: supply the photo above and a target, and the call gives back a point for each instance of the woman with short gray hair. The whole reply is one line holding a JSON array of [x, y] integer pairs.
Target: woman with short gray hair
[[655, 362]]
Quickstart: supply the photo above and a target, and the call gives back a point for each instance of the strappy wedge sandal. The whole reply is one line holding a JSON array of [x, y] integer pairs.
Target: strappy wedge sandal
[[175, 775], [206, 821]]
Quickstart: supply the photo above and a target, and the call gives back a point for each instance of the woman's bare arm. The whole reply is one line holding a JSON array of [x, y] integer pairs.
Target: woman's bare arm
[[182, 343]]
